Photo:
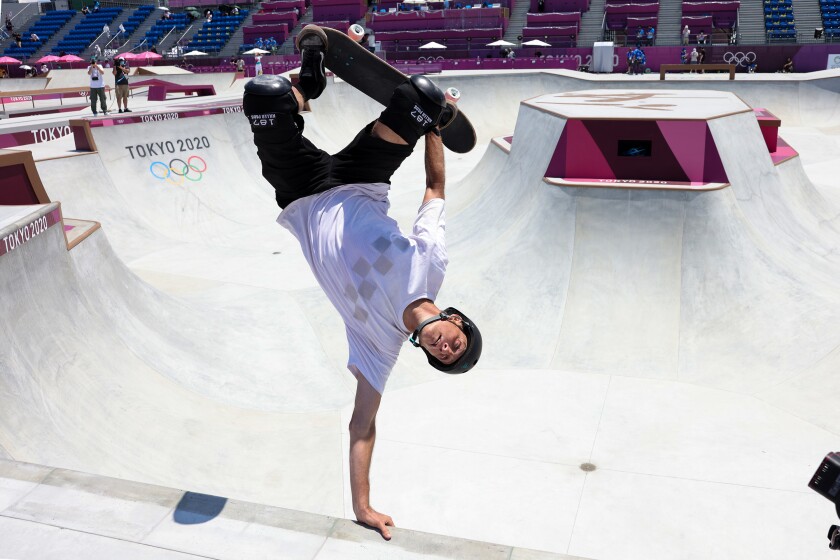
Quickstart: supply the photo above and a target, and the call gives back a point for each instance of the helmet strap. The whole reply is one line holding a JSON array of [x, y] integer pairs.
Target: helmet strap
[[414, 339]]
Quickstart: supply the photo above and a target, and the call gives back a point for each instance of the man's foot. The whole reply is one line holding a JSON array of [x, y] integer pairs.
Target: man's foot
[[312, 43], [127, 111], [104, 112], [95, 114]]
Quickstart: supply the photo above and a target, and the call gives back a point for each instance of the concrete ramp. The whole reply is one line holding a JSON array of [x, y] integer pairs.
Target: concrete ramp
[[682, 344]]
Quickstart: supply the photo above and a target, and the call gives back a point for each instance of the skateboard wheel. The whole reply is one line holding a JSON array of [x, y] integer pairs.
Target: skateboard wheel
[[452, 94], [356, 32]]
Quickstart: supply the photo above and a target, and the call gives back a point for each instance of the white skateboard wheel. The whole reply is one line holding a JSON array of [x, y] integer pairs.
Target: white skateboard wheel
[[452, 94], [356, 32]]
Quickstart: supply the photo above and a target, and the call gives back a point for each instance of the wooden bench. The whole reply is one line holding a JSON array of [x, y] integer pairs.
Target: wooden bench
[[693, 67]]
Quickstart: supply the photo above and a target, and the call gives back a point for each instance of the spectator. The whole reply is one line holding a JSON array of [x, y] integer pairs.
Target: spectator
[[511, 54], [97, 87], [695, 56], [98, 51], [630, 58], [209, 16], [121, 82], [106, 30], [701, 58], [17, 38], [153, 49], [540, 6], [788, 66], [650, 34], [85, 10], [235, 10], [240, 65], [2, 73], [258, 65], [701, 38], [751, 68], [44, 69], [686, 33], [122, 29], [9, 25], [96, 6], [640, 36], [683, 57], [34, 37]]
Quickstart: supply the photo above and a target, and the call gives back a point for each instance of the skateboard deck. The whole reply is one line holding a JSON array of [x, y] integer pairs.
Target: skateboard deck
[[377, 79]]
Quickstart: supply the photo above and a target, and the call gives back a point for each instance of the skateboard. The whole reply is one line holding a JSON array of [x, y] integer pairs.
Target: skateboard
[[377, 79]]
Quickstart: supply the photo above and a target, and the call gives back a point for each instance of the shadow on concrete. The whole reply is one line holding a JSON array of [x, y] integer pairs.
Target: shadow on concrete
[[197, 508]]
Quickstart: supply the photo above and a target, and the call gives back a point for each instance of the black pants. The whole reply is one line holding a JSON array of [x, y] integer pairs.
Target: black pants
[[296, 168]]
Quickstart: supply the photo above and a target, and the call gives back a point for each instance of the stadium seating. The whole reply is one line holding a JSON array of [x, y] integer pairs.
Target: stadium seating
[[178, 22], [80, 37], [214, 34], [778, 19], [47, 26], [830, 10], [136, 18]]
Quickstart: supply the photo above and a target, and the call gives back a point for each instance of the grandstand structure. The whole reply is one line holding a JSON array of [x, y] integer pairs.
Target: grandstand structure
[[464, 28]]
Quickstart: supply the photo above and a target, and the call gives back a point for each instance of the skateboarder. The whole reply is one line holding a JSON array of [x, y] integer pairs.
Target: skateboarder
[[382, 282]]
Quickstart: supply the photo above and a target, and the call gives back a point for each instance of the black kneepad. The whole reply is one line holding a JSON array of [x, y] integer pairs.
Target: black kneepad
[[414, 108], [269, 102]]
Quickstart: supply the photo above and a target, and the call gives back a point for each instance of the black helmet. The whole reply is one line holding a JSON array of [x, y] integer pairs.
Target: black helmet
[[470, 356]]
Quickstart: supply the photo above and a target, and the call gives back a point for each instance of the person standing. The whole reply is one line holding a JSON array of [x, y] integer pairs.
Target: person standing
[[695, 56], [121, 83], [258, 65], [97, 87], [686, 33]]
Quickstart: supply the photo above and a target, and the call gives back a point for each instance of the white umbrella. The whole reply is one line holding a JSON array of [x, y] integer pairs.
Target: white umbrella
[[25, 67], [255, 50], [164, 8], [414, 1], [432, 45], [195, 53], [536, 43], [500, 43]]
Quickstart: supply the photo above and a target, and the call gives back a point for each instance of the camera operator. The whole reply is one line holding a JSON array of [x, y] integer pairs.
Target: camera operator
[[121, 82], [97, 87], [826, 482]]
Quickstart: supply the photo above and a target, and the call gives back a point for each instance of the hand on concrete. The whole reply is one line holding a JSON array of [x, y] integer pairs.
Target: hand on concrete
[[377, 520]]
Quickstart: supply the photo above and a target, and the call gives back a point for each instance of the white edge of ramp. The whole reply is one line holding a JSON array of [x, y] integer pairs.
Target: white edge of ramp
[[44, 509]]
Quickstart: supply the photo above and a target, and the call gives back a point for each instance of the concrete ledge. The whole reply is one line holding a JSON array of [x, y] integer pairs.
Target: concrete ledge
[[49, 513]]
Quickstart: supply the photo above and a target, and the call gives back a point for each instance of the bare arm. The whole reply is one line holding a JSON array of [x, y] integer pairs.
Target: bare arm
[[362, 438], [435, 168]]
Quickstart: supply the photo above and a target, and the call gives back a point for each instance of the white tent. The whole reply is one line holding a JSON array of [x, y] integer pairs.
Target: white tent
[[433, 45], [500, 43], [195, 53], [256, 51], [536, 43]]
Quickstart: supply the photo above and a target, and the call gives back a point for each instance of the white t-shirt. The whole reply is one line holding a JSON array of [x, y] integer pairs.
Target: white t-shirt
[[96, 79], [368, 268]]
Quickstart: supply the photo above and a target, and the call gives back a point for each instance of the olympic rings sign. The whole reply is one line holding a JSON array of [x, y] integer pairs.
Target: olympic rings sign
[[739, 58], [178, 170]]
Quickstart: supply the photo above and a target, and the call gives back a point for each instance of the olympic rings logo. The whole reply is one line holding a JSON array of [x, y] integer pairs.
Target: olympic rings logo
[[178, 171], [739, 58]]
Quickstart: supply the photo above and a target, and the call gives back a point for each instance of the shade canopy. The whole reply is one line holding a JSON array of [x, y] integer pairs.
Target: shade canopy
[[255, 50], [69, 58], [500, 43], [8, 60], [536, 43], [147, 55], [195, 53], [432, 45], [48, 58]]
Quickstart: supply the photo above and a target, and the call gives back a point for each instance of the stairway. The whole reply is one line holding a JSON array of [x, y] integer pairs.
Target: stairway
[[47, 47], [807, 15], [751, 23], [115, 26], [21, 23], [176, 37], [668, 26], [518, 19], [231, 48], [592, 24], [288, 46]]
